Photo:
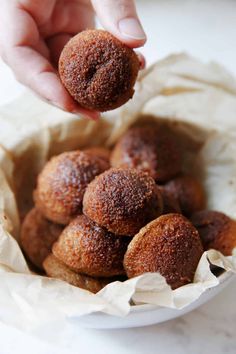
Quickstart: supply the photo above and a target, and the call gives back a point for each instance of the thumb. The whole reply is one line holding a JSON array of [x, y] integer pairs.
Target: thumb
[[120, 18]]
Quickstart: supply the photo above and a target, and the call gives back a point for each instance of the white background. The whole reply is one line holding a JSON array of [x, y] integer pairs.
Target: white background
[[207, 30]]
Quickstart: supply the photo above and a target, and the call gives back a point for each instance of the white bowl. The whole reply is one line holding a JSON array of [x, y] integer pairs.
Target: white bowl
[[145, 315]]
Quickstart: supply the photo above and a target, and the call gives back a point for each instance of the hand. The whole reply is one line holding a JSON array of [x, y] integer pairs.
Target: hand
[[33, 33]]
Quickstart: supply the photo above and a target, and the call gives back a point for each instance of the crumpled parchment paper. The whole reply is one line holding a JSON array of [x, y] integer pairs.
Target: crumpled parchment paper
[[198, 99]]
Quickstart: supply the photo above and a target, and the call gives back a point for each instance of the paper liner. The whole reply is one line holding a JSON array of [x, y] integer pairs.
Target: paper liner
[[200, 102]]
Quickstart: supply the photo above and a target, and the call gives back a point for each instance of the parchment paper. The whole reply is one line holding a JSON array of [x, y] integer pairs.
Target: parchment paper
[[198, 99]]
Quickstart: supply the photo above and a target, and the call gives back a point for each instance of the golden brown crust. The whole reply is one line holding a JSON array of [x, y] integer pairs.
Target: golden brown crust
[[217, 231], [152, 148], [37, 236], [62, 183], [169, 245], [87, 248], [56, 269], [122, 200], [189, 193], [98, 70]]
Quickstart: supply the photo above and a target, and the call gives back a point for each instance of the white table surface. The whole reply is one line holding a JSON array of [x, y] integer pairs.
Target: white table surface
[[205, 29]]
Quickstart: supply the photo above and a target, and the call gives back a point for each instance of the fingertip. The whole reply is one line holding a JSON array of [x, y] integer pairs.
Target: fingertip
[[120, 19], [142, 60], [91, 115], [132, 32], [94, 115], [75, 109]]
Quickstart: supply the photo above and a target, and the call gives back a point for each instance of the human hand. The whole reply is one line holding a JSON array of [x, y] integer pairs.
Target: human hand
[[34, 32]]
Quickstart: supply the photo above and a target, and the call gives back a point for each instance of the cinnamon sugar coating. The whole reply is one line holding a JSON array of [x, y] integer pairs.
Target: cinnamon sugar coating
[[62, 183], [87, 248], [169, 245], [217, 230], [188, 191], [37, 236], [151, 148], [98, 70], [122, 200], [56, 269]]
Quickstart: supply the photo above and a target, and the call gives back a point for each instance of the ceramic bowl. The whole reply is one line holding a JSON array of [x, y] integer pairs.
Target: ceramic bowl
[[145, 315]]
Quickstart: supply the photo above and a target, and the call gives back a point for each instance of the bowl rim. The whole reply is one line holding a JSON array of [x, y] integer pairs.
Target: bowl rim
[[225, 276]]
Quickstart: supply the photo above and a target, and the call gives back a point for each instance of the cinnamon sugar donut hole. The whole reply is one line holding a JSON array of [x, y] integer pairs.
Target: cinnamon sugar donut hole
[[87, 248], [150, 148], [98, 70], [189, 193], [37, 236], [217, 230], [122, 200], [56, 269], [62, 183], [169, 245]]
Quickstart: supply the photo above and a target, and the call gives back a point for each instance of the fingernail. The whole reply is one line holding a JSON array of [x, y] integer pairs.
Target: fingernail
[[131, 27]]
